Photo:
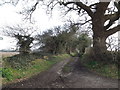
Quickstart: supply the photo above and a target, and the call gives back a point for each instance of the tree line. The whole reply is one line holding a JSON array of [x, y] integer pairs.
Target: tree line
[[56, 40]]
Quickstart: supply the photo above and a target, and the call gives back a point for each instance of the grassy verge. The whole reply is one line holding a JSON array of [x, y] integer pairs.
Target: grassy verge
[[11, 74], [101, 68]]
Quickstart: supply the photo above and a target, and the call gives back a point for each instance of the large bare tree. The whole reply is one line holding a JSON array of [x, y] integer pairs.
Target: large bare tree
[[23, 35]]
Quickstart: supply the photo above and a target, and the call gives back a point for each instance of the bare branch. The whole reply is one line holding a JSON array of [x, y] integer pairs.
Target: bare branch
[[101, 7], [18, 29], [93, 5], [113, 30], [83, 23], [81, 5], [29, 11], [113, 18], [13, 2]]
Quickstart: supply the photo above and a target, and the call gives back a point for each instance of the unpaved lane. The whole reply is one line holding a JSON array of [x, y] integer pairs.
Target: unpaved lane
[[81, 77]]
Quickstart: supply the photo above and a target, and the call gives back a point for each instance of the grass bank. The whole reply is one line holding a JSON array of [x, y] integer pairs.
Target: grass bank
[[105, 69], [17, 73]]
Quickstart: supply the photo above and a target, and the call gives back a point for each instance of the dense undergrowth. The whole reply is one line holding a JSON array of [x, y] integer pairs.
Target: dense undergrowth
[[20, 67], [108, 67]]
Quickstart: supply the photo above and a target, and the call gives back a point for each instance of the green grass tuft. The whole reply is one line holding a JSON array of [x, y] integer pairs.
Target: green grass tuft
[[102, 68]]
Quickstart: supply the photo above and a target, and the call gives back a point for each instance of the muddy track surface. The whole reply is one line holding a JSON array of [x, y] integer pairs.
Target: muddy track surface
[[81, 77], [78, 77]]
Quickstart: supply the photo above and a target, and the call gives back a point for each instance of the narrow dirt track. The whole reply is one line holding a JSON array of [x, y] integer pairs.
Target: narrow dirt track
[[79, 77]]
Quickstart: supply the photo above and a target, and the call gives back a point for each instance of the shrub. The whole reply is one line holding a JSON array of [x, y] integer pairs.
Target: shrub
[[109, 57], [108, 67], [21, 61], [7, 73], [87, 58]]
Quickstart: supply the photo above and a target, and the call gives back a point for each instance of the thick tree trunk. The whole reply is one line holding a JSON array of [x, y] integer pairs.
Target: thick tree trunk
[[99, 38], [99, 47], [99, 44]]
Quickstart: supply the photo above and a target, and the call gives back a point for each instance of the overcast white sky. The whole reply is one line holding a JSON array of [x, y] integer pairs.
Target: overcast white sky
[[9, 16]]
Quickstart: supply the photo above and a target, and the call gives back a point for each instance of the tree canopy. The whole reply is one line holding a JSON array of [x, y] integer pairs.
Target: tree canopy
[[63, 40], [23, 35]]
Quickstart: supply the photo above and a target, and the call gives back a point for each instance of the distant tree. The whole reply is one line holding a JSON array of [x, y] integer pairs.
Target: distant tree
[[45, 41], [64, 40], [83, 42], [56, 40], [23, 35], [1, 38]]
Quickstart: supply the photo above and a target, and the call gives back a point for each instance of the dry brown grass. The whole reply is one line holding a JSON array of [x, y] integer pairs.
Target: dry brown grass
[[7, 54]]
